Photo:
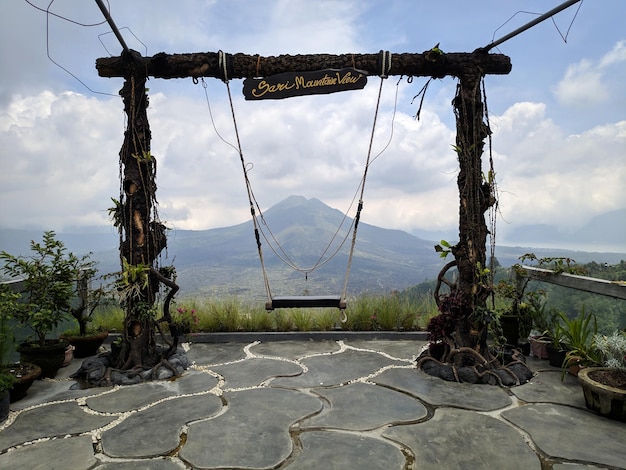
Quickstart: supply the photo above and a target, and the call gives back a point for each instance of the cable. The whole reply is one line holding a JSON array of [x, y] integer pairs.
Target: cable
[[48, 12]]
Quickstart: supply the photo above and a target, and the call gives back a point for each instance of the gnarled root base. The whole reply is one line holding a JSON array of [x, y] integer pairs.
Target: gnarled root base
[[99, 371], [467, 365]]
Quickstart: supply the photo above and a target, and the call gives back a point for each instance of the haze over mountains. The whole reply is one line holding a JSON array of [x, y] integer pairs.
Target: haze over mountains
[[225, 261]]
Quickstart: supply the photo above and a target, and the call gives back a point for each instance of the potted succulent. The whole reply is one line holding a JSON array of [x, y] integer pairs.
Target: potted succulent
[[605, 387], [49, 275]]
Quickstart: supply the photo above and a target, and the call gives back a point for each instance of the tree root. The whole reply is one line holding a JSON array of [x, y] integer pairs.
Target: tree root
[[469, 366]]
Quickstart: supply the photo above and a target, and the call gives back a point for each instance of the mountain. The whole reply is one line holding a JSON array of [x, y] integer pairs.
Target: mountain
[[305, 232], [225, 261], [605, 232]]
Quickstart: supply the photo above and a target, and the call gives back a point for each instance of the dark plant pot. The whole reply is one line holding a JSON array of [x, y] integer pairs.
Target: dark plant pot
[[25, 374], [49, 357], [510, 328], [86, 346], [179, 329], [603, 399], [4, 406], [556, 356], [525, 347]]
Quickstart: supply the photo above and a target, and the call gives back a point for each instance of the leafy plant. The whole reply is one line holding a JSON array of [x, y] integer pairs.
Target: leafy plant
[[578, 332], [612, 349], [6, 382], [8, 304], [50, 274], [443, 248]]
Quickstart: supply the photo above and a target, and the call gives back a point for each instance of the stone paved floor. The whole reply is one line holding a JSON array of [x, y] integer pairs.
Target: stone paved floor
[[353, 404]]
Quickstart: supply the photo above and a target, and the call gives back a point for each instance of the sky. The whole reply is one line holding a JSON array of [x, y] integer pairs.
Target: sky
[[558, 119]]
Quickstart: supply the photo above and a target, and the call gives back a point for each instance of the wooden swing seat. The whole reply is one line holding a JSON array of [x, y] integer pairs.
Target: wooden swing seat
[[306, 301]]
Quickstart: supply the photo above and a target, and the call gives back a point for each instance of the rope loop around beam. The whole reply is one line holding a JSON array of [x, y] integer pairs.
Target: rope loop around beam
[[384, 63]]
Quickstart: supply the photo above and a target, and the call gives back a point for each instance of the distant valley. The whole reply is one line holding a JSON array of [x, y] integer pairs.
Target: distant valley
[[225, 261]]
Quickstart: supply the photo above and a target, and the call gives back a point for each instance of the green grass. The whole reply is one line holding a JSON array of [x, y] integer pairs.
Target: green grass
[[364, 313]]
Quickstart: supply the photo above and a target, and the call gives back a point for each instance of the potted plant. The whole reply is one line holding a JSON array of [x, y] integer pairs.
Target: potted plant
[[6, 384], [576, 347], [545, 325], [183, 320], [18, 377], [86, 300], [49, 275], [605, 387]]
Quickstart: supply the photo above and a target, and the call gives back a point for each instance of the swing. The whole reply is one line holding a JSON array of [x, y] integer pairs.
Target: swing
[[304, 301]]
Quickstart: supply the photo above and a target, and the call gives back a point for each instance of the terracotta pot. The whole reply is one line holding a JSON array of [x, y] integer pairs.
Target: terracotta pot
[[25, 374], [86, 346], [604, 399], [539, 348]]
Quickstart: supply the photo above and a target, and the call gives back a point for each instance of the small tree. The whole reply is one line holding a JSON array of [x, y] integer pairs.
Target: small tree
[[50, 274]]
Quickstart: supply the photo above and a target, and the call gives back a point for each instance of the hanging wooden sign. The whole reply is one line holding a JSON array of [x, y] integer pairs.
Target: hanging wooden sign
[[288, 84]]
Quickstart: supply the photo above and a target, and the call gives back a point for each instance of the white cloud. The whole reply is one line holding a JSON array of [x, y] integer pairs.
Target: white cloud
[[56, 157], [592, 82], [548, 177]]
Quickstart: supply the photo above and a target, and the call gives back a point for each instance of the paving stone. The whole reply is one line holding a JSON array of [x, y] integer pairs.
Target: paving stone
[[573, 434], [572, 466], [253, 372], [192, 381], [146, 464], [404, 349], [162, 425], [253, 432], [547, 387], [45, 391], [130, 397], [459, 439], [295, 349], [438, 392], [58, 454], [335, 369], [333, 450], [215, 353], [360, 407], [54, 420]]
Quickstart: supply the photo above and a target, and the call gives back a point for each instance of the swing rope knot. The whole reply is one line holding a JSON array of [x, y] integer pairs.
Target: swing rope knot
[[384, 63], [225, 65]]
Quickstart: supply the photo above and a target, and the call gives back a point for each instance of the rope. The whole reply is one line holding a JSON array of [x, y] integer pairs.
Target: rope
[[223, 66], [360, 206]]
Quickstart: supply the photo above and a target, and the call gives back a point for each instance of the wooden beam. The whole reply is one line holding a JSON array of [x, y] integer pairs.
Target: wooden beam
[[431, 63], [616, 289]]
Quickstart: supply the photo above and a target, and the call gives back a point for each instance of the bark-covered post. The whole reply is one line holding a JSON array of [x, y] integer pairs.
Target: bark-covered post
[[475, 198], [141, 236]]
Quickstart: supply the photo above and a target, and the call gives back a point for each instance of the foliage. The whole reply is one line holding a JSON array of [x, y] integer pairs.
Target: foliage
[[578, 332], [50, 274], [6, 382], [451, 307], [8, 304], [302, 319], [108, 318], [185, 316], [612, 349], [443, 248]]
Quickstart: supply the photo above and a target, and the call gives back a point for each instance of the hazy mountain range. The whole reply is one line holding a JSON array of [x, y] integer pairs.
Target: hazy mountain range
[[225, 261]]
